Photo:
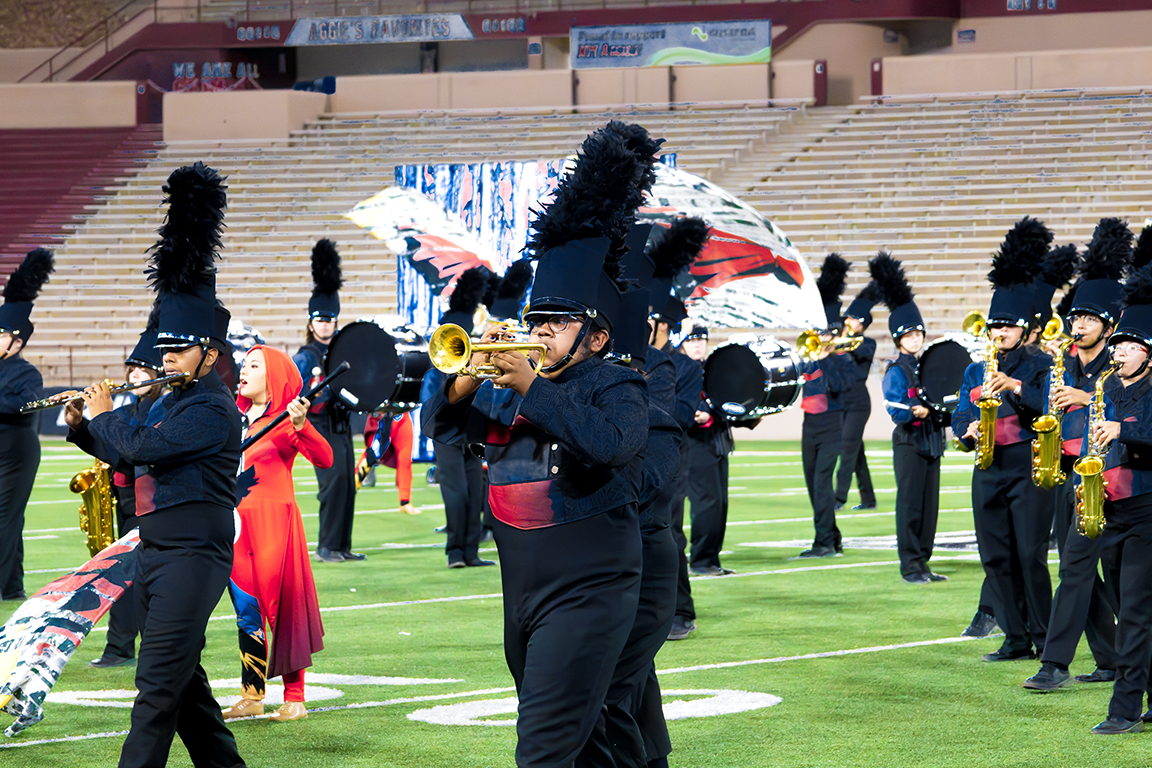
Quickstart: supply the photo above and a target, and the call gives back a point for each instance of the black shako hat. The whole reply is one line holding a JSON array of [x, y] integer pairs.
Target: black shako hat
[[1015, 268], [1098, 290], [182, 269], [1056, 271], [21, 290], [466, 298], [1135, 322], [510, 290], [893, 289], [581, 236], [860, 307], [630, 337], [327, 279], [831, 283], [145, 354]]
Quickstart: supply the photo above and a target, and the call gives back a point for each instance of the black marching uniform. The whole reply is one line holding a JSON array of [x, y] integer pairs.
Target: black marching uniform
[[20, 383], [857, 410], [689, 385], [708, 447]]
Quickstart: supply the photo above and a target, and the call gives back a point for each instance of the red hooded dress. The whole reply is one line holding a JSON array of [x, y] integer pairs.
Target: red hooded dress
[[271, 556]]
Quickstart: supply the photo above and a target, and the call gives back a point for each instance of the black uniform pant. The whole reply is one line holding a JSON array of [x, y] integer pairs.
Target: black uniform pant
[[185, 561], [337, 492], [820, 448], [570, 597], [853, 460], [627, 713], [1126, 553], [1013, 523], [19, 460], [673, 494], [1082, 604], [123, 624], [708, 494], [917, 506], [460, 477]]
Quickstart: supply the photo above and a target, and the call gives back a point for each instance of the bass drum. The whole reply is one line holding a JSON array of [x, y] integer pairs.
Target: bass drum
[[385, 374], [941, 372], [748, 380]]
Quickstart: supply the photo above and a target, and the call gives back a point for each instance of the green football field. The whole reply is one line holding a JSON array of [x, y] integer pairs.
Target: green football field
[[795, 663]]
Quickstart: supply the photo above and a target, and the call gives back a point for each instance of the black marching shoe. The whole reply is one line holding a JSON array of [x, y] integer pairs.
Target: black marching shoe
[[983, 624], [681, 628], [1049, 678], [1003, 653], [106, 661], [863, 505], [353, 555], [328, 556], [917, 578], [710, 570], [16, 596], [1098, 676], [1114, 724], [839, 506], [935, 576], [818, 552], [478, 563]]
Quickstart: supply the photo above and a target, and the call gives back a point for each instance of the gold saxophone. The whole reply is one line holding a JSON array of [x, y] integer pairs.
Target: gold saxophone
[[1090, 493], [976, 324], [97, 507], [1048, 445]]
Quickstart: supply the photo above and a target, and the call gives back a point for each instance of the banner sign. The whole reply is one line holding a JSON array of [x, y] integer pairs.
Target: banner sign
[[359, 30], [663, 45]]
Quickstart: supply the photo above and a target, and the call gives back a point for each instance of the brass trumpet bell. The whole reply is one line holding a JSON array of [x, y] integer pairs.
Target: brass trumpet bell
[[451, 350], [975, 323], [810, 347]]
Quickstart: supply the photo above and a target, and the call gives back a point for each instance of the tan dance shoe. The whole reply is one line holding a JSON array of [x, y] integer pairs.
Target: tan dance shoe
[[408, 509], [244, 708], [289, 710]]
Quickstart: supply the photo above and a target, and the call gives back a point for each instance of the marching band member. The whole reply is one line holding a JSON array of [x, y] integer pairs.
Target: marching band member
[[272, 587], [143, 364], [918, 435], [564, 462], [1082, 604], [1013, 517], [821, 439], [185, 487], [20, 383], [857, 404], [1125, 432], [337, 483]]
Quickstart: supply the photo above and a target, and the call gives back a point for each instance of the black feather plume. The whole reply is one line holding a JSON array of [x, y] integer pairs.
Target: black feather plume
[[870, 292], [1021, 255], [327, 275], [25, 282], [185, 255], [1142, 253], [678, 246], [1138, 288], [1060, 265], [1065, 305], [832, 278], [516, 281], [1110, 252], [153, 323], [642, 145], [491, 289], [469, 290], [597, 198], [888, 274]]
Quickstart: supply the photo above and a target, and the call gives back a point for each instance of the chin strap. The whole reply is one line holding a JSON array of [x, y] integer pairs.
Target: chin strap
[[199, 365], [556, 366]]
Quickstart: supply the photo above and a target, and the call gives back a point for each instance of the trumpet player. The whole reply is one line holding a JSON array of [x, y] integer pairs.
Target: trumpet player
[[1082, 605], [20, 383], [999, 399], [825, 379], [1124, 438]]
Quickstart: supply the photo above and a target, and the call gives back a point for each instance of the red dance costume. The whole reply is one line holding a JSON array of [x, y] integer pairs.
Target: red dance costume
[[398, 454], [272, 584]]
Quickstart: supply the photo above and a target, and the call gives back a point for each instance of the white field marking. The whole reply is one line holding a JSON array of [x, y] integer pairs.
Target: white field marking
[[966, 510], [804, 492], [35, 538], [53, 570], [390, 545], [73, 529], [823, 655], [951, 541]]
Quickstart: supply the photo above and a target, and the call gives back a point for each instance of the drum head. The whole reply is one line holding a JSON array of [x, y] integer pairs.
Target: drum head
[[734, 380], [371, 351], [941, 371]]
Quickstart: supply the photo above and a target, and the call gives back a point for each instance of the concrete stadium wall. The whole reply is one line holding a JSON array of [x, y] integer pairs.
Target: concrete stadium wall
[[14, 64], [968, 73], [849, 49], [231, 115], [1057, 32], [68, 105]]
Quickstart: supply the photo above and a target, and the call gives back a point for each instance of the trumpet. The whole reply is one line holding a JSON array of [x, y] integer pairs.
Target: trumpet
[[451, 349], [174, 380], [810, 347]]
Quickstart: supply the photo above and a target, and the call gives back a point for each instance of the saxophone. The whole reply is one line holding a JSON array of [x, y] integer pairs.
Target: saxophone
[[1048, 445], [1090, 467], [986, 430], [97, 505]]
